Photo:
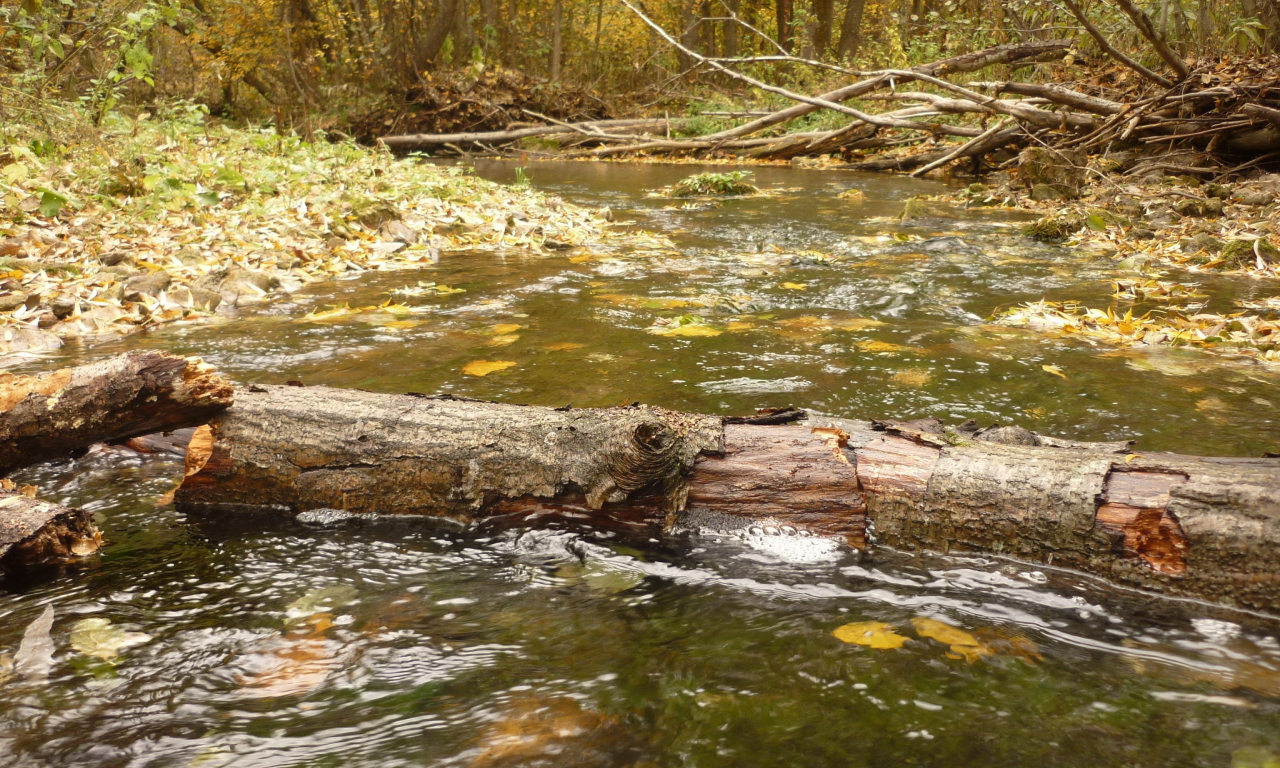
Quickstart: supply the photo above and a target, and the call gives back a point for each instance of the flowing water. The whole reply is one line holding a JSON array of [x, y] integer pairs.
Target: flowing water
[[246, 642]]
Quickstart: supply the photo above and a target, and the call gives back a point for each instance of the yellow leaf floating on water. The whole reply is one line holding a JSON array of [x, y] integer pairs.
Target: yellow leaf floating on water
[[563, 346], [502, 329], [883, 348], [686, 330], [963, 644], [486, 367], [329, 314], [873, 634], [401, 325], [1055, 370], [795, 286], [912, 377], [504, 340]]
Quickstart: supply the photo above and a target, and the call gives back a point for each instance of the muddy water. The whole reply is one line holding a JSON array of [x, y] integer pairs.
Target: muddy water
[[411, 643]]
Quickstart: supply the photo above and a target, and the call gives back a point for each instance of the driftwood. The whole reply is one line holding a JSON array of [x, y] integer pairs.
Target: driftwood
[[1199, 527], [33, 532], [56, 414]]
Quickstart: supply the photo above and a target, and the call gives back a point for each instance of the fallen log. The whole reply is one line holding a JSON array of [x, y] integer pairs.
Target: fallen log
[[33, 532], [423, 140], [55, 414], [1199, 527]]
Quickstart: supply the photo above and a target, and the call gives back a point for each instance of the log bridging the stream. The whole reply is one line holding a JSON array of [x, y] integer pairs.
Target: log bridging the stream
[[1206, 528]]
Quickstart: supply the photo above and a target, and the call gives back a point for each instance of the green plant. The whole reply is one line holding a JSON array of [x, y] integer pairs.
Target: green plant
[[718, 184], [522, 179]]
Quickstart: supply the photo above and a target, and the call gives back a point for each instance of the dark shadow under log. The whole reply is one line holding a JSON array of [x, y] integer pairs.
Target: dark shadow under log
[[1197, 527]]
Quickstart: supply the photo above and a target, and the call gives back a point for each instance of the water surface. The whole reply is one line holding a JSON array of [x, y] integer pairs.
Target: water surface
[[418, 643]]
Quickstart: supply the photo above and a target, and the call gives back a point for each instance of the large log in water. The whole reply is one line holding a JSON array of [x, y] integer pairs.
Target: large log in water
[[1198, 527], [55, 414]]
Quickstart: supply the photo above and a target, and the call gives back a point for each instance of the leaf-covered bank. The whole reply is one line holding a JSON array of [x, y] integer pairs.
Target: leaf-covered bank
[[161, 220]]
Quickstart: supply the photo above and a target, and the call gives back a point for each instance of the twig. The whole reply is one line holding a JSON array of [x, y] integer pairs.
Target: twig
[[960, 150]]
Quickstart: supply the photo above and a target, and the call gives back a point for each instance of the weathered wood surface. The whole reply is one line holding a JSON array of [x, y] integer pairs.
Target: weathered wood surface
[[34, 532], [1198, 527], [55, 414]]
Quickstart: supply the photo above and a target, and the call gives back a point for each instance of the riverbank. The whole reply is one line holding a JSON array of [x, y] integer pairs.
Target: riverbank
[[170, 220]]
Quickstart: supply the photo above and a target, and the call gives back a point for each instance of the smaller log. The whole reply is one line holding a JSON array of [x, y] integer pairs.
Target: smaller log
[[56, 414], [33, 532]]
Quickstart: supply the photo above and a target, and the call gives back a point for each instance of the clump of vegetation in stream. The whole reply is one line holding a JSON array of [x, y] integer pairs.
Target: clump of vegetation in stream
[[1236, 334], [731, 184]]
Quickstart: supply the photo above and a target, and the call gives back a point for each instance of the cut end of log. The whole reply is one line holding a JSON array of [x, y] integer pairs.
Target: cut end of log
[[33, 532]]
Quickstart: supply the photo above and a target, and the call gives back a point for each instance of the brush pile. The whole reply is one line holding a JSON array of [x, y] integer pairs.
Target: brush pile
[[1208, 117]]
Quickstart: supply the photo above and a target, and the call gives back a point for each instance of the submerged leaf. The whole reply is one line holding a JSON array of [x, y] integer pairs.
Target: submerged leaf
[[101, 639], [486, 367], [873, 634], [563, 346], [963, 644], [1053, 369], [35, 652]]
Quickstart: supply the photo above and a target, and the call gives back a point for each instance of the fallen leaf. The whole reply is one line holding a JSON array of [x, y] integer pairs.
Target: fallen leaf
[[686, 330], [486, 367], [502, 329], [1055, 370], [882, 348], [563, 346], [35, 652], [873, 634], [795, 286], [912, 377], [963, 644], [504, 340], [101, 639], [298, 667]]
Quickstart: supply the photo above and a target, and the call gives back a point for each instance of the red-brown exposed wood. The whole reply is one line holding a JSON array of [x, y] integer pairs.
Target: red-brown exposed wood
[[783, 475]]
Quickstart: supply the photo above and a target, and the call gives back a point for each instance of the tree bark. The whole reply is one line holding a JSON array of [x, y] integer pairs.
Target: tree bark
[[55, 414], [783, 14], [33, 532], [851, 29], [1199, 527]]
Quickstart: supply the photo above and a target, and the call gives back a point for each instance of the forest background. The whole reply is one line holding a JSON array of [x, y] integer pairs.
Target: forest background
[[309, 64]]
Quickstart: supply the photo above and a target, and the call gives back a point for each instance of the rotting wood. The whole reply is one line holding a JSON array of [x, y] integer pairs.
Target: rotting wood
[[1199, 527], [55, 414], [34, 532]]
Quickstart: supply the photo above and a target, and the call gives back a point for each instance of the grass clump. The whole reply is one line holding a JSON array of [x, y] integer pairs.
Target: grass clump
[[728, 184], [1054, 227]]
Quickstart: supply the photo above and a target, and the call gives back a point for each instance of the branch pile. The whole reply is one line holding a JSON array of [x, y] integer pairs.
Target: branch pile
[[1218, 112]]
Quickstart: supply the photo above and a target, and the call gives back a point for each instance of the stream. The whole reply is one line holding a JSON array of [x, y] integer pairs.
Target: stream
[[202, 641]]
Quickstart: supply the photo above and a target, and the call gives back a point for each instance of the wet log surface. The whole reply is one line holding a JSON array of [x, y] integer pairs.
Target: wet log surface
[[33, 532], [1207, 528], [58, 413]]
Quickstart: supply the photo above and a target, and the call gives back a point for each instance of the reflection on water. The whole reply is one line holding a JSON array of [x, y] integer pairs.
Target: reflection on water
[[390, 643]]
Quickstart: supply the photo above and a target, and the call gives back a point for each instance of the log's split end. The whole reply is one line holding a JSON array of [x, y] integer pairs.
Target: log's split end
[[1191, 526]]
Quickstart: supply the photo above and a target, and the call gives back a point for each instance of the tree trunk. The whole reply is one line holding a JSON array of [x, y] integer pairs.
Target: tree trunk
[[33, 532], [823, 12], [441, 25], [783, 14], [55, 414], [557, 38], [1200, 527], [851, 29]]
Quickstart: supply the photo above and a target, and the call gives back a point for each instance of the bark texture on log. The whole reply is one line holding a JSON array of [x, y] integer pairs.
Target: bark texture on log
[[1198, 527], [54, 414], [34, 531], [294, 448]]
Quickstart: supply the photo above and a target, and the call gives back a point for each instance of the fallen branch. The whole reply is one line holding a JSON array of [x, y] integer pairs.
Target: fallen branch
[[55, 414], [1207, 528]]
